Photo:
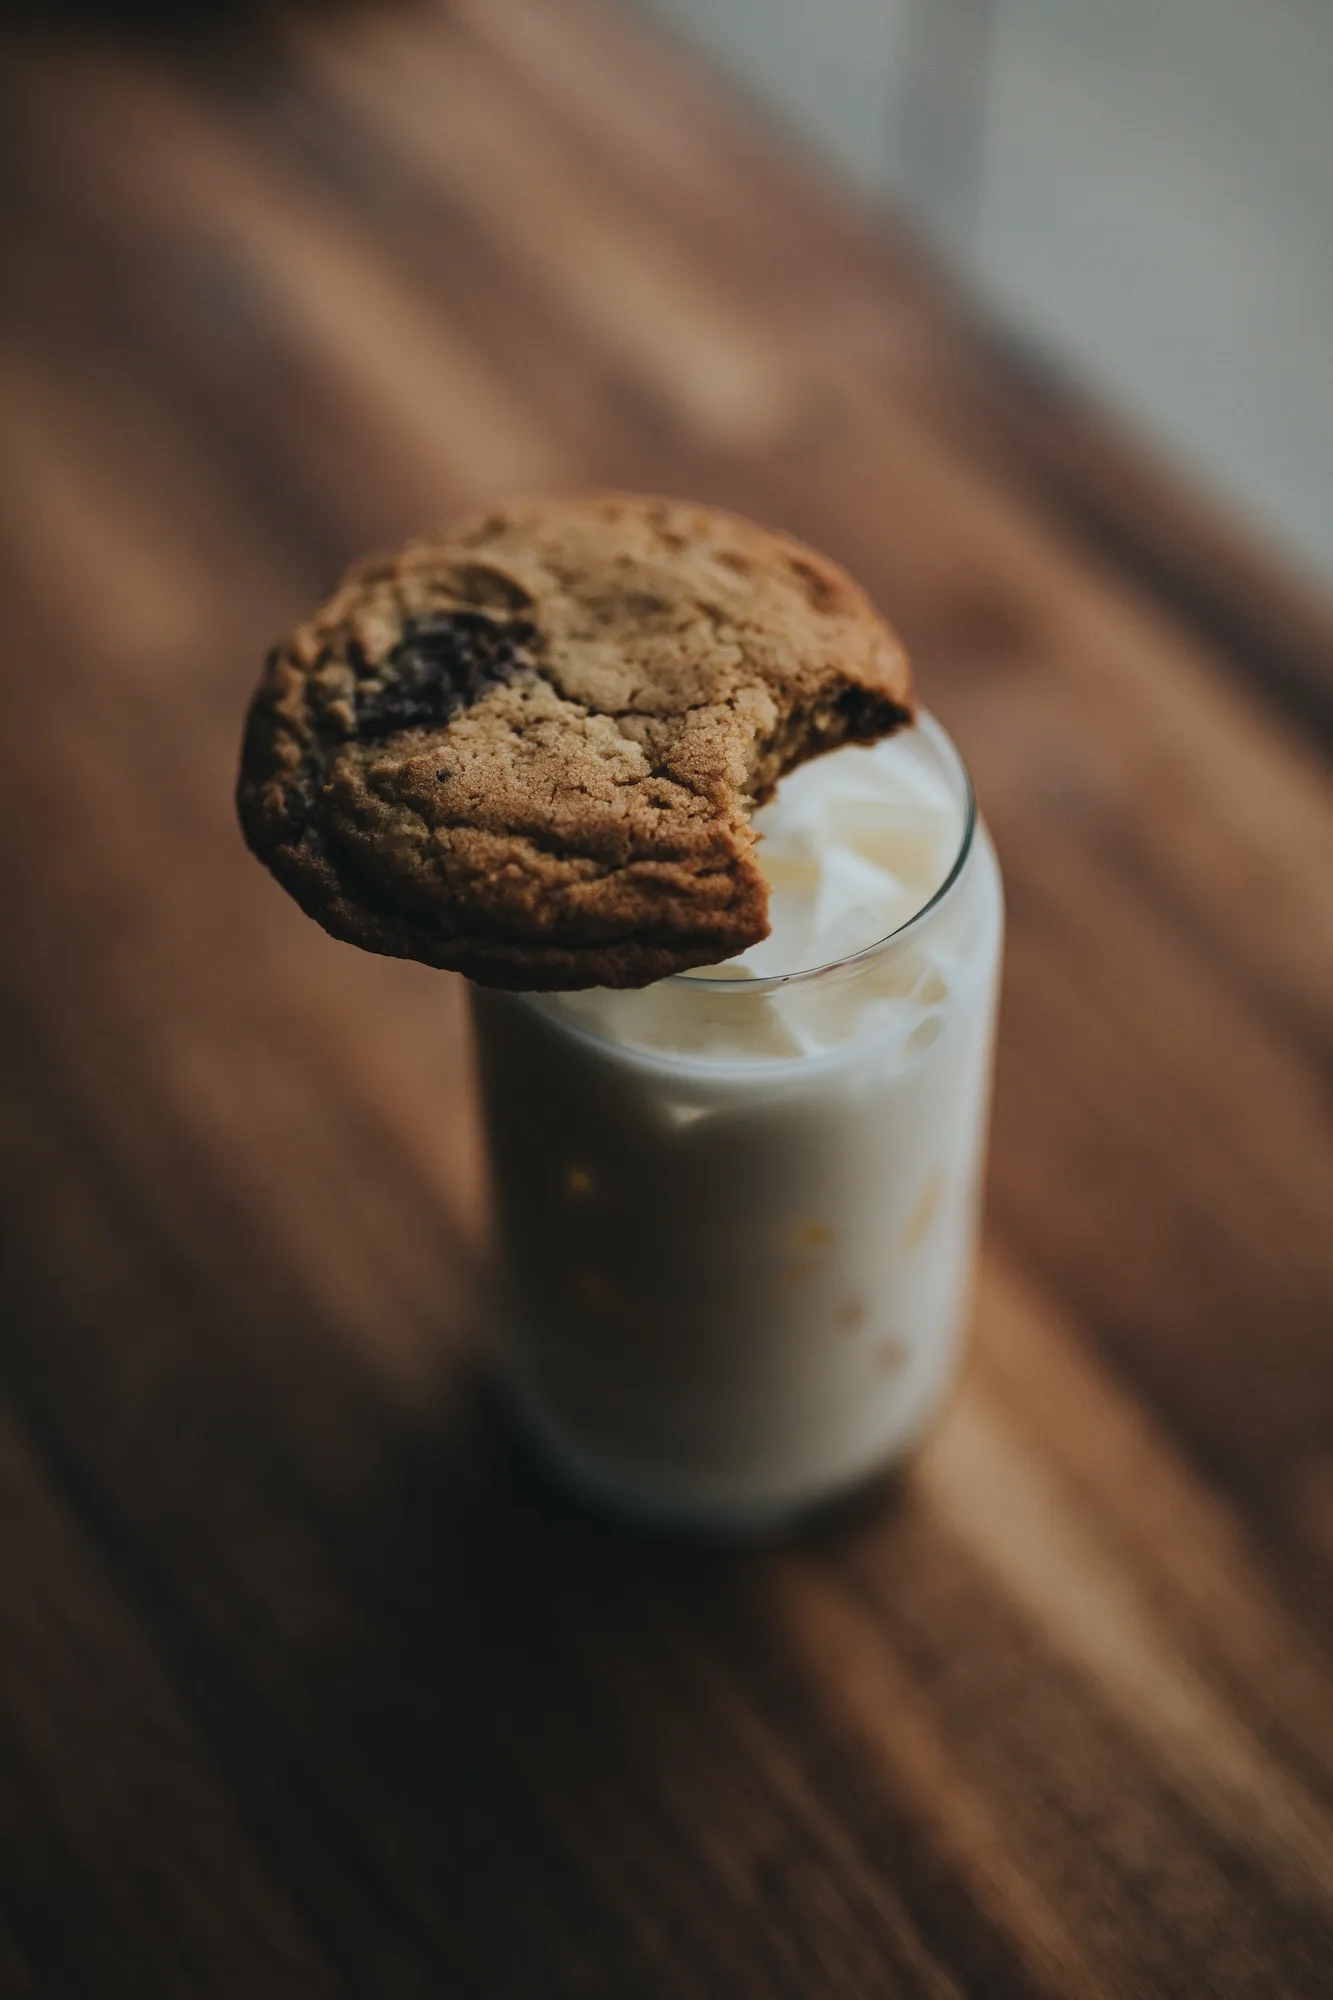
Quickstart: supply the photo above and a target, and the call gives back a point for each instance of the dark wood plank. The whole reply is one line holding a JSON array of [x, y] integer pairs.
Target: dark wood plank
[[97, 1766], [309, 1685]]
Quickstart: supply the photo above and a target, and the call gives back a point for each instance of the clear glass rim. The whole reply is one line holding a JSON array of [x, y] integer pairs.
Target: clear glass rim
[[941, 740]]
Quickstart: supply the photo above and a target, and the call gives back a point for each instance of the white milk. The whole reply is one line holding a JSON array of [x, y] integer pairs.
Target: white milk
[[737, 1209]]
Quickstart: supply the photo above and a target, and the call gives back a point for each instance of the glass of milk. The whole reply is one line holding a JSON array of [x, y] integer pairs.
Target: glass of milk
[[737, 1210]]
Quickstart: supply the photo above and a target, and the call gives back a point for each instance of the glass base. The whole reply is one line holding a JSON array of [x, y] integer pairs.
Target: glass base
[[655, 1503]]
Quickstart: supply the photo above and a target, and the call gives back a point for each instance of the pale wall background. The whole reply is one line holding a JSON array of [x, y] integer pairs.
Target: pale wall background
[[1142, 187]]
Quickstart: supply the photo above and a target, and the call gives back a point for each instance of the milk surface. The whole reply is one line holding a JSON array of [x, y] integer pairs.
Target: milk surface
[[737, 1209], [852, 847]]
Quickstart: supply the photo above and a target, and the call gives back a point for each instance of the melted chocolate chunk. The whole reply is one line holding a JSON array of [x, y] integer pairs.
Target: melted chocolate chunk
[[444, 662]]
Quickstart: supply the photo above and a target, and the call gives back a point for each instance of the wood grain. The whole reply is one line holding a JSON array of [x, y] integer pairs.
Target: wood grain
[[308, 1685]]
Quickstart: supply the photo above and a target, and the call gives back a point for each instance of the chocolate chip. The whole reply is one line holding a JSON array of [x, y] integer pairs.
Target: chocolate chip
[[444, 662]]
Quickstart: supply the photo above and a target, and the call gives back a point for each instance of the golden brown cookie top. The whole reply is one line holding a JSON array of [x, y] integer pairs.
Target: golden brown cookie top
[[526, 747]]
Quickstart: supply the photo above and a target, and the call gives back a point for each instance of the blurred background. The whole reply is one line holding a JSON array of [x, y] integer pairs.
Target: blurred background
[[1024, 312], [1142, 188]]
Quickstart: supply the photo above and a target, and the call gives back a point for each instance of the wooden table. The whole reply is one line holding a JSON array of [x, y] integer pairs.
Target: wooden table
[[307, 1686]]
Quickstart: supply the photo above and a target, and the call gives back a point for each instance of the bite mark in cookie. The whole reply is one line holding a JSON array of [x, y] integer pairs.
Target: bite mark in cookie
[[527, 748]]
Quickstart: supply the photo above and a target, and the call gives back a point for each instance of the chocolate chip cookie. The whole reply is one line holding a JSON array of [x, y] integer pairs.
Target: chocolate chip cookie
[[527, 747]]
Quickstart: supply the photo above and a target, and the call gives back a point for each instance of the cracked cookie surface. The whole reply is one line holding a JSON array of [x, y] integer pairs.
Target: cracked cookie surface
[[526, 747]]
